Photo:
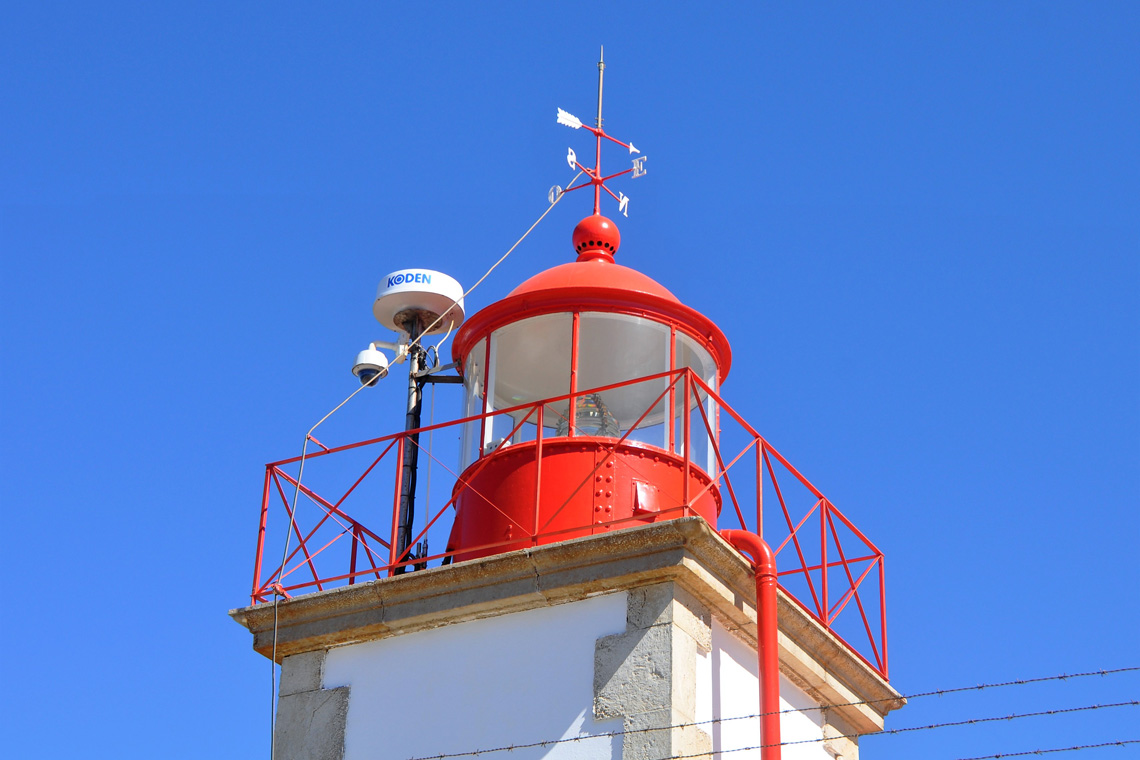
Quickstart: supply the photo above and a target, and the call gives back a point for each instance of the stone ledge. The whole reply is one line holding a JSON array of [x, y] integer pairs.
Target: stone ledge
[[687, 551]]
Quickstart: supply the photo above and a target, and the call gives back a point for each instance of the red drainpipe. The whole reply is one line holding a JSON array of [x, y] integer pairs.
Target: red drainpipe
[[767, 655]]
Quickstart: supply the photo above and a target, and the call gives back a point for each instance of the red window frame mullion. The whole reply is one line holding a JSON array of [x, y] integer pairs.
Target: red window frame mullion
[[573, 423]]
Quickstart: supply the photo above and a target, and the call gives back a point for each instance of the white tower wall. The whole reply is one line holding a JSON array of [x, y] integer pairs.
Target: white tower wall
[[514, 679]]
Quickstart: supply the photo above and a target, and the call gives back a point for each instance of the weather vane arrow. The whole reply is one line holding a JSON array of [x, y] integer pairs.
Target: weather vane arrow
[[596, 179]]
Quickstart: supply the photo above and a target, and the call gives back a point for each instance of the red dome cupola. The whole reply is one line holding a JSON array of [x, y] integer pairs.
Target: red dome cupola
[[596, 237]]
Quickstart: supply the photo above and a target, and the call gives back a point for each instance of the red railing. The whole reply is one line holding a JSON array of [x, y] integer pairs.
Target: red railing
[[825, 563]]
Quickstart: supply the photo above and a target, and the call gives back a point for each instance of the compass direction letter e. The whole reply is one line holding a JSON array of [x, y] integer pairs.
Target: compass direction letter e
[[639, 166]]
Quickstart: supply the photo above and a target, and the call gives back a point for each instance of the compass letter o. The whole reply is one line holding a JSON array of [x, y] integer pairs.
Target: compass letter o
[[571, 158]]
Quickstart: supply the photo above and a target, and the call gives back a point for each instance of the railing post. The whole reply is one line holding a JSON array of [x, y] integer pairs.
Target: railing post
[[260, 537], [686, 434], [352, 555], [537, 471], [823, 517], [883, 613], [759, 487], [669, 418]]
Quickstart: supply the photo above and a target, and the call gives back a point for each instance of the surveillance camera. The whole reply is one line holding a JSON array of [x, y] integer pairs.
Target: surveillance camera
[[371, 365]]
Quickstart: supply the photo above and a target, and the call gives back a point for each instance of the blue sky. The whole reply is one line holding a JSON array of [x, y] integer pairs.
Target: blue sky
[[916, 223]]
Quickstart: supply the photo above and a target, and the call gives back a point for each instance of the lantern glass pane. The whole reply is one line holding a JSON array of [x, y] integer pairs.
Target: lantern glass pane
[[530, 361], [616, 348], [690, 354], [472, 402]]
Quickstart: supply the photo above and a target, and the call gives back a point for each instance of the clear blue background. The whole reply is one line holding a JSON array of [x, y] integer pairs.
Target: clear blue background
[[916, 222]]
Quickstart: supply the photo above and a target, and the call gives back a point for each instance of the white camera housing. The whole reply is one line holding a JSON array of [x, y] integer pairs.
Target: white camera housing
[[371, 365]]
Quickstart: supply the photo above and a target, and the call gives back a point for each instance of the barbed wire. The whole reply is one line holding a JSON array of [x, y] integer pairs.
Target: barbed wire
[[1119, 743], [911, 729], [980, 687], [918, 695]]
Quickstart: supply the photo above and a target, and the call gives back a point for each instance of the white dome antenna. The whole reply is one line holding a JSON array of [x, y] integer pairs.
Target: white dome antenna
[[413, 300]]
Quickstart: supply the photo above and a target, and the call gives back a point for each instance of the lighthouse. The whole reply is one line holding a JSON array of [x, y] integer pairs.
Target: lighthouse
[[606, 588]]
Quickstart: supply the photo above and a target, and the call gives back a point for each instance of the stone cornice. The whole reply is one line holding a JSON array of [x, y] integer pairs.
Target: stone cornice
[[684, 551]]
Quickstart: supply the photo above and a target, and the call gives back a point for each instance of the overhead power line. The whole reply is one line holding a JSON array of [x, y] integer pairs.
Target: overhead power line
[[1120, 743], [888, 732], [1020, 682], [910, 729]]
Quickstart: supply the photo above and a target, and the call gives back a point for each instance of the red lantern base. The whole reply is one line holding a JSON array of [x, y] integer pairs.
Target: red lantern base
[[584, 486]]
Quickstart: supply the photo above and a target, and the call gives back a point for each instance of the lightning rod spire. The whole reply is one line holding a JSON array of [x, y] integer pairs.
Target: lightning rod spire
[[601, 71]]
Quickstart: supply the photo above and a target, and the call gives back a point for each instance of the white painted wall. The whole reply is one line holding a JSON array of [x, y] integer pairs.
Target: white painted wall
[[517, 678], [728, 687]]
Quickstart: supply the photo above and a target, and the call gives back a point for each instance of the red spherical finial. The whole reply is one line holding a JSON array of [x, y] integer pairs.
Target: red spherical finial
[[596, 237]]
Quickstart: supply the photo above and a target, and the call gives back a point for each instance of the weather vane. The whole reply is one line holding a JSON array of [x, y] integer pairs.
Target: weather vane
[[596, 180]]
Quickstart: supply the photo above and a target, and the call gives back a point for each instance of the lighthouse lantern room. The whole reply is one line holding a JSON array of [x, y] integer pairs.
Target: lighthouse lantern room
[[578, 385]]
